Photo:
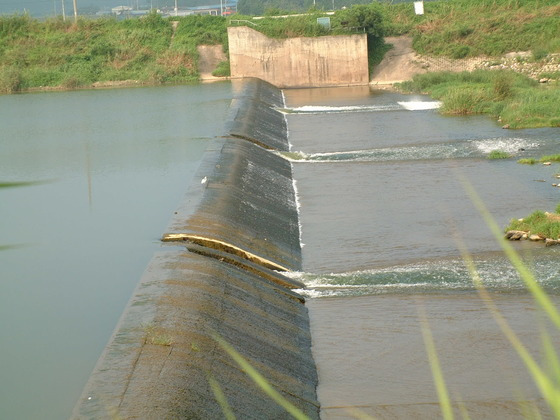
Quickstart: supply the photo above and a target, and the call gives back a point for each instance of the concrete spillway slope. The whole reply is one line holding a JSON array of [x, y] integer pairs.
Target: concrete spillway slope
[[237, 229]]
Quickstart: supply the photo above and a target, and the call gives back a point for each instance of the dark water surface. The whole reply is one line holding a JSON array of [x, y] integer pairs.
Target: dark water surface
[[115, 163], [384, 211]]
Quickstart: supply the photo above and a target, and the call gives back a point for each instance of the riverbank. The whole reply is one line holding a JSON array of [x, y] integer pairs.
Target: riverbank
[[58, 55]]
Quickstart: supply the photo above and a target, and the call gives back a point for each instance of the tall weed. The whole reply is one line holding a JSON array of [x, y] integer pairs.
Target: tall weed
[[10, 79]]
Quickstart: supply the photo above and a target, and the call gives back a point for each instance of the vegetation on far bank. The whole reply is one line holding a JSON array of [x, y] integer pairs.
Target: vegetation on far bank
[[467, 28], [151, 50], [54, 53], [514, 99], [451, 28]]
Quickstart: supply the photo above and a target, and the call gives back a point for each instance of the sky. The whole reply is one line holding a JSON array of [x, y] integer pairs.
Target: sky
[[41, 8]]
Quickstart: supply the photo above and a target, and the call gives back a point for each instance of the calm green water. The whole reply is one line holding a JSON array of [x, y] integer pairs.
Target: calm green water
[[115, 165]]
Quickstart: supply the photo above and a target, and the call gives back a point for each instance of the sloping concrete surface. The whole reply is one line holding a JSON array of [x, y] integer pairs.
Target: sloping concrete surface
[[160, 368], [164, 354]]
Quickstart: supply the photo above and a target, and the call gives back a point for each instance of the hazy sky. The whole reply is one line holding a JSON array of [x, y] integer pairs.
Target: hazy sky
[[52, 7]]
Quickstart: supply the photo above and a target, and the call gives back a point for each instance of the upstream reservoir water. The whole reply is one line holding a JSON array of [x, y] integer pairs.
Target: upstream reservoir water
[[113, 165]]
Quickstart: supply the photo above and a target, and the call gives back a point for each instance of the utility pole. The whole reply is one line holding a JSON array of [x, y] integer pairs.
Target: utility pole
[[75, 12], [176, 10], [63, 12]]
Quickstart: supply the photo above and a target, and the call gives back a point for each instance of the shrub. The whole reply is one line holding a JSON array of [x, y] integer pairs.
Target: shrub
[[460, 51], [527, 161], [502, 85], [222, 70], [10, 79], [539, 54]]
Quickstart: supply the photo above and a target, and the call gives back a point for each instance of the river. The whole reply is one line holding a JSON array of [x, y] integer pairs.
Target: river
[[378, 178], [384, 213], [114, 165]]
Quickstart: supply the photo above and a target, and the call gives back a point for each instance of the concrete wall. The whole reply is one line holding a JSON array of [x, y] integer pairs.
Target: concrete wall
[[299, 62]]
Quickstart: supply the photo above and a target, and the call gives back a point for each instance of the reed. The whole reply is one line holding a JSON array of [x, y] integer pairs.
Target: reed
[[512, 98], [465, 28]]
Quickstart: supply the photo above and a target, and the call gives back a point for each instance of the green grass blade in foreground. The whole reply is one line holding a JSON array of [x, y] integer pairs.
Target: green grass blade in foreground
[[20, 184], [526, 275], [260, 381], [437, 374], [550, 357], [547, 387], [221, 398]]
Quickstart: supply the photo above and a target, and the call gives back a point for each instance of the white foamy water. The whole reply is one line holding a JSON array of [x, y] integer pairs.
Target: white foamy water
[[436, 151], [505, 144], [496, 273], [419, 105], [409, 106], [314, 109]]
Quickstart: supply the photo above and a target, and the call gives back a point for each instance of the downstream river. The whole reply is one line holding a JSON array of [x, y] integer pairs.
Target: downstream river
[[380, 178], [384, 213]]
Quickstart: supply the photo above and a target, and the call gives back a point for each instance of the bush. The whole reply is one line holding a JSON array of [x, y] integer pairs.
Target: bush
[[10, 79], [503, 84], [539, 54], [460, 51], [222, 70]]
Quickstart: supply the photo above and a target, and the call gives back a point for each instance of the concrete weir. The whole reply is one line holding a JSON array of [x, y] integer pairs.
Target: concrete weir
[[219, 274]]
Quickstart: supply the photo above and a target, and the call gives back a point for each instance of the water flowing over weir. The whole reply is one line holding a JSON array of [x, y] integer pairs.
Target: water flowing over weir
[[239, 223]]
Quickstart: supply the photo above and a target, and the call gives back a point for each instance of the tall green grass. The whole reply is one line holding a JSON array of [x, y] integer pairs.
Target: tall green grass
[[516, 100], [538, 223], [54, 53], [463, 28]]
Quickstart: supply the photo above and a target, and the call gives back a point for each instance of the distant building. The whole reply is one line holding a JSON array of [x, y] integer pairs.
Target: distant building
[[226, 8], [120, 10]]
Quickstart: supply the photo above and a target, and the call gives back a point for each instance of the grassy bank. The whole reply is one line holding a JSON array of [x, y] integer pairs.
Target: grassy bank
[[546, 225], [463, 28], [53, 53], [515, 100]]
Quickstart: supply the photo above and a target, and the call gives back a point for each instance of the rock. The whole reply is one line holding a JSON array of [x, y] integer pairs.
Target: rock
[[536, 238], [551, 242], [516, 235], [505, 126], [547, 163], [544, 80]]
